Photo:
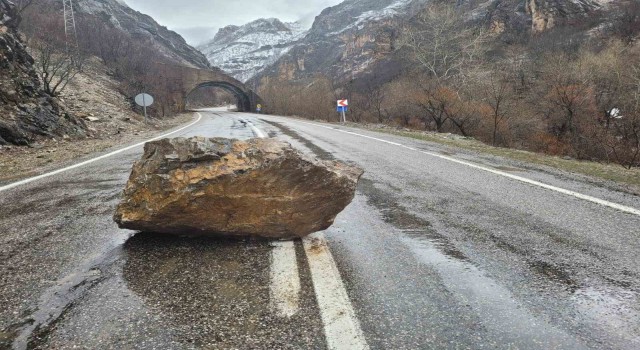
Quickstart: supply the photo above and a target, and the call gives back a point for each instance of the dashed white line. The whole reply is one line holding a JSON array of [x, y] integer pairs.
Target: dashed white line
[[255, 130], [284, 287], [284, 278], [616, 206], [93, 160], [341, 327]]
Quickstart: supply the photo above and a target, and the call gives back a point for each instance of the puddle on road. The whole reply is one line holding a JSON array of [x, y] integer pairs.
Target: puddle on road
[[77, 193], [239, 124], [610, 306], [57, 301], [413, 226], [319, 152], [507, 318], [555, 273]]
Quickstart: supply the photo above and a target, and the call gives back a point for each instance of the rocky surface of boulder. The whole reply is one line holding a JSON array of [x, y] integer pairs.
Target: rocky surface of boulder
[[222, 187]]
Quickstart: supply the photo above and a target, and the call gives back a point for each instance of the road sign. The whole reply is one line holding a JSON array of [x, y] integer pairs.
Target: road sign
[[259, 108], [343, 107], [144, 100]]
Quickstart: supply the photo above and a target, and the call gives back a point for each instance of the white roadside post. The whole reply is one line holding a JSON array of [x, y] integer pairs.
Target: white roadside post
[[144, 100]]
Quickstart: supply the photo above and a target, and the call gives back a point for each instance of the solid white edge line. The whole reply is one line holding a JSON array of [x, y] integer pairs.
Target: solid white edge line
[[341, 327], [284, 287], [93, 160], [619, 207]]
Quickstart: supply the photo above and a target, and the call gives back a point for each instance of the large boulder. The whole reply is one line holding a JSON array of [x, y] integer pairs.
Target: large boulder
[[222, 187]]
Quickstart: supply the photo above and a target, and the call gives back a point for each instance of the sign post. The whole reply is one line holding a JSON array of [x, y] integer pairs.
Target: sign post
[[343, 107], [144, 100], [259, 108]]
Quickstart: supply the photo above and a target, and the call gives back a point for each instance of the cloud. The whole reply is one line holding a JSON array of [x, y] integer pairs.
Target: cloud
[[197, 19], [197, 35]]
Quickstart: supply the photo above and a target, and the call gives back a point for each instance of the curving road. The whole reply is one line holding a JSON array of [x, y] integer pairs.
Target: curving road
[[441, 248]]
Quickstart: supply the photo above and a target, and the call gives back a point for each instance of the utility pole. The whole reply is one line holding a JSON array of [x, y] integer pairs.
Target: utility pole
[[70, 32]]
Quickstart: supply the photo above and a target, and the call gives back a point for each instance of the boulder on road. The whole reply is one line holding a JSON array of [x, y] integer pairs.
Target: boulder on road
[[223, 187]]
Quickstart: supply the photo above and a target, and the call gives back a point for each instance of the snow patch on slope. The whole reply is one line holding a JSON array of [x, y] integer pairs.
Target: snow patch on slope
[[393, 9], [243, 51]]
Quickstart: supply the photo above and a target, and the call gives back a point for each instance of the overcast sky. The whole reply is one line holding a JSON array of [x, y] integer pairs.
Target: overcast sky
[[199, 20]]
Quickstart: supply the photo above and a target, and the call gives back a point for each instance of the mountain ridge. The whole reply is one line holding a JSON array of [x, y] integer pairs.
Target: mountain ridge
[[343, 49], [243, 51], [137, 24]]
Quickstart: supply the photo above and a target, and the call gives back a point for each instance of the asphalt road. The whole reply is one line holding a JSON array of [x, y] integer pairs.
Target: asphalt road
[[441, 248]]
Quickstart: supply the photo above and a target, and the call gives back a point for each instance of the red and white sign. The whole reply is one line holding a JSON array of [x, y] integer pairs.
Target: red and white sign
[[343, 103]]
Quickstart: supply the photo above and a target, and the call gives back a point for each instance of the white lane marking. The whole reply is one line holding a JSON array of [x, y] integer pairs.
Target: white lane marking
[[93, 160], [284, 289], [341, 327], [284, 279], [620, 207], [255, 130]]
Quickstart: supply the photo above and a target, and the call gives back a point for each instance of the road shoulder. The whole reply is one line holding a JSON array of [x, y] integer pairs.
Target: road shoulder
[[610, 176], [17, 163]]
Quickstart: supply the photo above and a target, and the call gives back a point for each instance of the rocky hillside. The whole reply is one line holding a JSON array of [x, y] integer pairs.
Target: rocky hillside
[[26, 112], [345, 39], [140, 25], [533, 16], [348, 38], [243, 51]]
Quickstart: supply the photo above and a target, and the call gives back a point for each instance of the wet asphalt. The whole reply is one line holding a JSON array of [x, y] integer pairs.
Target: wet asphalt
[[433, 255]]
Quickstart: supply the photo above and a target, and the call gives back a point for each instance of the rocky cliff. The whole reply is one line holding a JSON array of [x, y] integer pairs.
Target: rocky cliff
[[545, 13], [534, 16], [121, 16], [243, 51], [347, 39], [26, 112]]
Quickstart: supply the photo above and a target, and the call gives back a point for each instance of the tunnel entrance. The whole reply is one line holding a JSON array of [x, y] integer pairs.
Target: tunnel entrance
[[218, 94]]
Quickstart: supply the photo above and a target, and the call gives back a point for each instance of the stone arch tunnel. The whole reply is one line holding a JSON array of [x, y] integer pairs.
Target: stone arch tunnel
[[190, 79], [244, 102]]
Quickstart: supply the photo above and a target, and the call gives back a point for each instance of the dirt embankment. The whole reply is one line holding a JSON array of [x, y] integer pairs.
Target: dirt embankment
[[93, 97]]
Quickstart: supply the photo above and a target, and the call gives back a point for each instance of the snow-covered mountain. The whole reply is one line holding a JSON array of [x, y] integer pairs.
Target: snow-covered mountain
[[243, 51]]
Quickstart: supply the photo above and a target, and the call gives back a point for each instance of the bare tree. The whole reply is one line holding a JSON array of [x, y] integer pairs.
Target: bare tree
[[443, 44], [498, 96], [446, 48], [376, 95], [626, 21], [624, 142], [55, 67]]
